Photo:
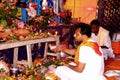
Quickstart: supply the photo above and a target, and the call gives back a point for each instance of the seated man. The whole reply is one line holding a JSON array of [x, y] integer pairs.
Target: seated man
[[89, 61], [101, 35]]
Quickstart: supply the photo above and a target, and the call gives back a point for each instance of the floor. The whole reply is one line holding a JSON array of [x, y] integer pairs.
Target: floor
[[112, 64]]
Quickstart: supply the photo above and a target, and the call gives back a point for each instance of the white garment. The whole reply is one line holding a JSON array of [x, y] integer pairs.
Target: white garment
[[44, 4], [55, 6], [58, 4], [31, 11], [103, 39], [93, 70], [61, 4]]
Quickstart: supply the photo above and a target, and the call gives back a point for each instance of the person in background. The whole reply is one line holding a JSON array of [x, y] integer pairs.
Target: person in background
[[72, 44], [88, 61], [101, 35]]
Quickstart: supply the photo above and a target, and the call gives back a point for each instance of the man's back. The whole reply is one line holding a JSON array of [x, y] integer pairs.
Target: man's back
[[94, 63]]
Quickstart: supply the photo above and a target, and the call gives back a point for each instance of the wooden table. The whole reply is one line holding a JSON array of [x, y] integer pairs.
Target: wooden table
[[28, 44]]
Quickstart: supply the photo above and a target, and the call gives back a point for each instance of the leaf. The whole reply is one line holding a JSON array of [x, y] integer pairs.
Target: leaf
[[4, 22]]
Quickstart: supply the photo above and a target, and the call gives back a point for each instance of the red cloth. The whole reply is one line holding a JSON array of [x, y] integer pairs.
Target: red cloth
[[112, 64]]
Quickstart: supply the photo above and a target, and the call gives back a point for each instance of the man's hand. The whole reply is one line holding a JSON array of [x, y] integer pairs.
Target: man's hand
[[59, 48]]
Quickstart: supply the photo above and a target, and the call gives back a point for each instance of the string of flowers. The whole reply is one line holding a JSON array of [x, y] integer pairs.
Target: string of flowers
[[8, 10]]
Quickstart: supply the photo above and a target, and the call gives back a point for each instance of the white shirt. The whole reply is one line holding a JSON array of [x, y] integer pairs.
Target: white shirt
[[103, 39], [94, 64], [93, 70]]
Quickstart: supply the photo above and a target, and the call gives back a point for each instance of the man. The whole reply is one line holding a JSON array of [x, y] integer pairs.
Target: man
[[89, 62], [101, 35]]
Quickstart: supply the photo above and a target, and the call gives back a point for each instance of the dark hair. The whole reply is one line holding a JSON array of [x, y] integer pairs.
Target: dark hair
[[85, 29], [95, 22]]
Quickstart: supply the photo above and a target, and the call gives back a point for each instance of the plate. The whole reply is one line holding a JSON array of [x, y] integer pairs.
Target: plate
[[2, 40], [117, 71], [72, 63], [112, 73]]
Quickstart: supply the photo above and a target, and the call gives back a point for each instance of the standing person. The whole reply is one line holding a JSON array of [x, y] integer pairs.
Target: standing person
[[89, 61], [101, 35]]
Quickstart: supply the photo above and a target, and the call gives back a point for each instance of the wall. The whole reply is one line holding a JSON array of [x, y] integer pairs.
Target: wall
[[109, 15], [84, 9]]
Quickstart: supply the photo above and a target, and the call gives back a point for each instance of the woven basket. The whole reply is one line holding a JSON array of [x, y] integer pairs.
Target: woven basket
[[116, 47]]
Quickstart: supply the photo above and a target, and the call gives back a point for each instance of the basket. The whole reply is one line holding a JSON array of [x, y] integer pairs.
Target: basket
[[116, 47]]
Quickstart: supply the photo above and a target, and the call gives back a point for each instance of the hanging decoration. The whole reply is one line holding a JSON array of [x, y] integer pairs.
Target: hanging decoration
[[32, 9]]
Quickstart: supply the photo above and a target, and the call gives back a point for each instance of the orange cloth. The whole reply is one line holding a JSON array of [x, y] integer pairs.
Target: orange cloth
[[93, 45], [112, 64], [111, 78]]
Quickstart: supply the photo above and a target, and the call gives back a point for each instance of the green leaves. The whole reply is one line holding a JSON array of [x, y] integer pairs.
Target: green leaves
[[3, 22], [2, 70]]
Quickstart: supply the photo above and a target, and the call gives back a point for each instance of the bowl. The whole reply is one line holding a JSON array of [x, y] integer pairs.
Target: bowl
[[62, 54]]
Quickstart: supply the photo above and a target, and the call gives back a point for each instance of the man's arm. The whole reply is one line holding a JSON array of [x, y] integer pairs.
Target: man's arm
[[69, 51], [78, 68], [65, 50]]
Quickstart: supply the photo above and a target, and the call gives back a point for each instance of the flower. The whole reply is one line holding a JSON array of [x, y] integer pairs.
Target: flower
[[31, 10], [66, 16], [44, 19], [8, 10], [20, 24], [65, 13], [34, 5], [45, 12], [41, 22], [4, 67]]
